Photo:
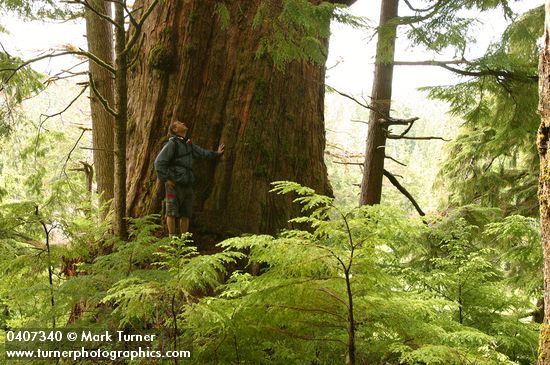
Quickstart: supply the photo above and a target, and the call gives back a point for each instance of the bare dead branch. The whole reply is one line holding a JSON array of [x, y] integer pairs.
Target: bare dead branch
[[394, 160], [364, 105], [409, 5], [138, 26], [90, 7], [101, 98], [48, 116], [480, 73], [136, 56], [338, 61], [59, 54], [422, 138], [4, 50], [348, 163], [71, 151], [403, 191], [388, 121], [431, 62]]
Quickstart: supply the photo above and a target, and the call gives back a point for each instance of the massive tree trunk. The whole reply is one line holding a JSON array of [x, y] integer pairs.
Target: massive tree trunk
[[373, 171], [194, 69], [543, 142], [99, 35]]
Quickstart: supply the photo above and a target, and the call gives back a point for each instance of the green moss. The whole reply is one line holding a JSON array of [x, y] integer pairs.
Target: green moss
[[166, 32], [161, 58], [261, 171], [131, 125], [261, 91], [189, 48]]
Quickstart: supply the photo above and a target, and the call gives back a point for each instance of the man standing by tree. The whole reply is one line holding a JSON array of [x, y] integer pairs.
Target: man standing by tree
[[174, 166]]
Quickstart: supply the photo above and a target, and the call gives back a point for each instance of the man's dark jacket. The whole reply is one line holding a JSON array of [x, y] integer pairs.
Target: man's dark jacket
[[175, 160]]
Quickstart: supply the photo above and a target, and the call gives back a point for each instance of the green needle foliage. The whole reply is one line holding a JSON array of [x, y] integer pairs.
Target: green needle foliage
[[406, 308], [298, 29], [368, 283], [494, 161], [443, 24], [14, 88], [36, 9]]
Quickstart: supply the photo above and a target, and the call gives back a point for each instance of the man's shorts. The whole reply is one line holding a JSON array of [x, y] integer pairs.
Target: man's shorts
[[179, 200]]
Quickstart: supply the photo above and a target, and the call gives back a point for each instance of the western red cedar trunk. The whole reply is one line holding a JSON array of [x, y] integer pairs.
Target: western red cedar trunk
[[373, 171], [194, 69], [543, 142], [99, 35]]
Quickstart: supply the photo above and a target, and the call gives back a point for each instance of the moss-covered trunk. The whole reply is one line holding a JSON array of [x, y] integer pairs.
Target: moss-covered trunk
[[543, 142], [196, 68]]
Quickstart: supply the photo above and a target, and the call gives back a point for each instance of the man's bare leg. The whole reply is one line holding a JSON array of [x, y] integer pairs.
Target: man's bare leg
[[171, 223], [184, 225]]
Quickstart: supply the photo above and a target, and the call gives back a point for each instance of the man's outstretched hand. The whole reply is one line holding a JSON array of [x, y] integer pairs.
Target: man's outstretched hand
[[221, 149]]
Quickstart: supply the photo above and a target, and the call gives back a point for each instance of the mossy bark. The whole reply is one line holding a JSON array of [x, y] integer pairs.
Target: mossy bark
[[543, 142], [271, 122]]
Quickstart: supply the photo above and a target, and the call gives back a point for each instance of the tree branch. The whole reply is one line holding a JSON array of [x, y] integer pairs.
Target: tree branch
[[394, 160], [48, 116], [403, 191], [431, 63], [133, 20], [138, 26], [480, 73], [397, 136], [71, 151], [90, 7], [409, 5], [349, 97], [101, 98], [396, 121], [52, 55]]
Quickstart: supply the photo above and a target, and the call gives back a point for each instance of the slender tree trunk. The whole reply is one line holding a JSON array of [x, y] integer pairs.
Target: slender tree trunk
[[193, 69], [121, 120], [373, 172], [543, 142], [99, 35]]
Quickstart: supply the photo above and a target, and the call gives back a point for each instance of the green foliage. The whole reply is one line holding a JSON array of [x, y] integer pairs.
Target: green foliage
[[494, 161], [297, 30], [223, 12], [519, 239], [439, 25], [405, 306], [15, 87], [37, 9], [419, 293]]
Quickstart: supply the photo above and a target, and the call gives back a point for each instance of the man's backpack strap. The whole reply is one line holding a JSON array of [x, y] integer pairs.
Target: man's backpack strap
[[177, 154]]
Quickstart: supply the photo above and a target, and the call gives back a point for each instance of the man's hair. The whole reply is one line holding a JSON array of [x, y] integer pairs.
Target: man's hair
[[172, 126]]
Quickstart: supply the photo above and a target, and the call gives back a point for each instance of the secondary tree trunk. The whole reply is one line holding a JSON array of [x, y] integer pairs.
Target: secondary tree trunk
[[193, 69], [373, 171], [99, 35], [121, 120], [543, 142]]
